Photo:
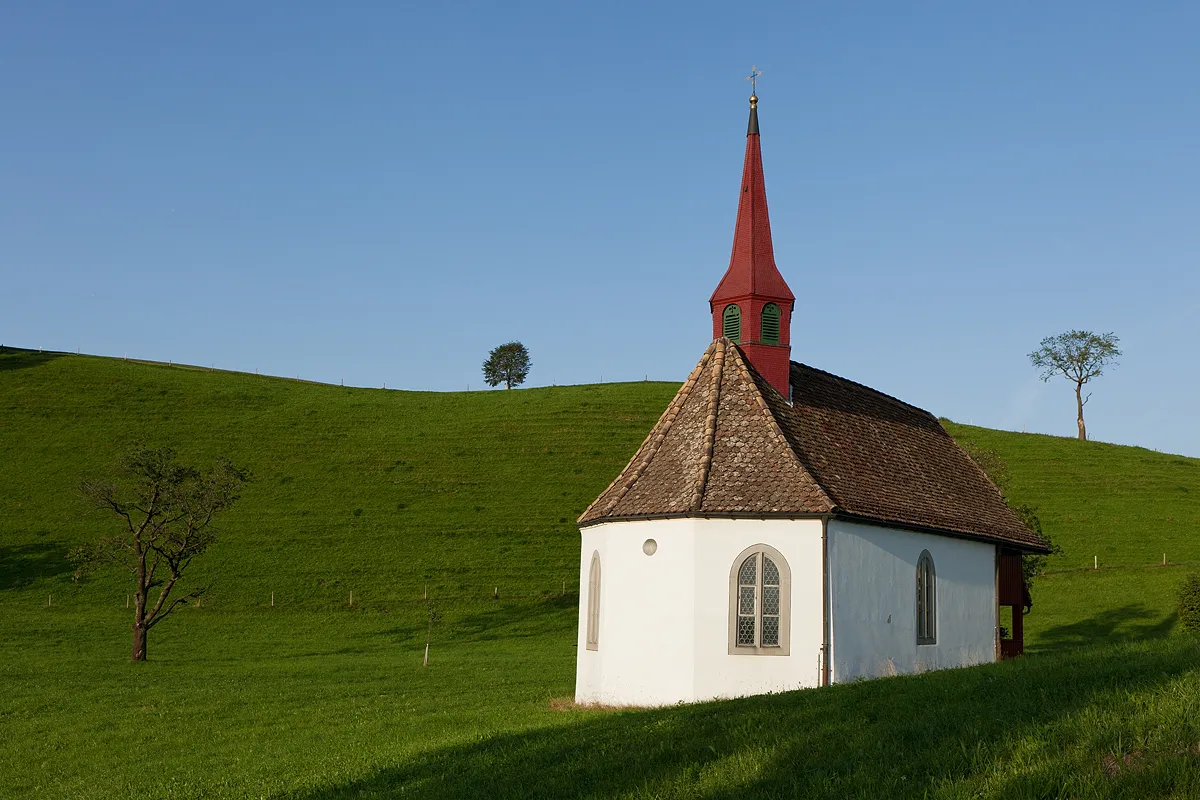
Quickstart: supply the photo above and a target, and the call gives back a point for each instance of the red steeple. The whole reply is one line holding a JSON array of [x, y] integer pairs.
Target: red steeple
[[753, 304]]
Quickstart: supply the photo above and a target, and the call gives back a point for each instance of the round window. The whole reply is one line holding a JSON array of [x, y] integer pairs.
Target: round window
[[649, 547]]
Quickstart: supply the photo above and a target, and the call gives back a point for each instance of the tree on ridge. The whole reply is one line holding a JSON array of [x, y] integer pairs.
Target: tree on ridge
[[165, 511], [1079, 356], [508, 364]]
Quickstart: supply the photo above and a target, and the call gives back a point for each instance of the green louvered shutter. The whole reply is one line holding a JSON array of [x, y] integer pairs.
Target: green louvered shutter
[[770, 324], [732, 319]]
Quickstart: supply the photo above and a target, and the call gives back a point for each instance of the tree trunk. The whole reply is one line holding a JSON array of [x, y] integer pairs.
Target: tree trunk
[[1079, 409], [139, 642]]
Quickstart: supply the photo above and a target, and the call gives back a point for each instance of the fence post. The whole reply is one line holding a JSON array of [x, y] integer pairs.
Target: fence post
[[272, 599]]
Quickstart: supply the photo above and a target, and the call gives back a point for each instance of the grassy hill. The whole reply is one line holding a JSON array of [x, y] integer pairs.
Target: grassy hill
[[389, 494]]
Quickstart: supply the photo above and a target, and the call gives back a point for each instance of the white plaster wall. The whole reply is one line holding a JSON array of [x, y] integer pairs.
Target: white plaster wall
[[718, 544], [873, 601], [645, 647], [663, 635]]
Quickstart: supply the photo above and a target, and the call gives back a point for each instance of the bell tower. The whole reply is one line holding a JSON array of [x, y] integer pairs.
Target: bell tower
[[752, 305]]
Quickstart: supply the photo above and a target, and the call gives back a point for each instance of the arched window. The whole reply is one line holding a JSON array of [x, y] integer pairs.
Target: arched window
[[926, 600], [760, 599], [731, 326], [770, 324], [593, 617]]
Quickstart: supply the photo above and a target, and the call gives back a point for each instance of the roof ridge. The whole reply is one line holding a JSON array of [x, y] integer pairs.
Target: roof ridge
[[654, 440], [710, 425], [870, 389], [775, 426]]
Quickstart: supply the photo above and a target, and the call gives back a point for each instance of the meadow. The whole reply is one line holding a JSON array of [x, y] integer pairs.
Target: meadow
[[398, 496]]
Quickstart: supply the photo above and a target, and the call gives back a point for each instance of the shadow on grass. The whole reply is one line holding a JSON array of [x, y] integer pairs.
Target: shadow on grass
[[21, 565], [511, 620], [14, 358], [941, 733], [1131, 622], [490, 621]]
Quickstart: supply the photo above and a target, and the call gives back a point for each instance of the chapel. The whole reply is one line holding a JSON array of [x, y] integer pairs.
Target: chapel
[[782, 527]]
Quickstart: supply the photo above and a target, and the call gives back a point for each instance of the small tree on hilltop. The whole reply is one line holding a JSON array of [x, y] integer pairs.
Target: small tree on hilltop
[[507, 364], [1079, 356], [165, 511]]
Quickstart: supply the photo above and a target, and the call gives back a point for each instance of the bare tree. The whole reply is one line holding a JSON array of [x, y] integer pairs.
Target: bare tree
[[507, 364], [165, 511], [1079, 356]]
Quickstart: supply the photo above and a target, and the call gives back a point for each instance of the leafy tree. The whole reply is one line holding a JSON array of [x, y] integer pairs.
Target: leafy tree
[[165, 511], [997, 471], [1079, 356], [507, 364], [1189, 603]]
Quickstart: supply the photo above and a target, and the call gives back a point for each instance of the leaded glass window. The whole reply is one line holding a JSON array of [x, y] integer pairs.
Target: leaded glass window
[[747, 607], [770, 604], [759, 603], [926, 600]]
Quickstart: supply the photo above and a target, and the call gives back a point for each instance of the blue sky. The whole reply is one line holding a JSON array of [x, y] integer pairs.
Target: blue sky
[[379, 193]]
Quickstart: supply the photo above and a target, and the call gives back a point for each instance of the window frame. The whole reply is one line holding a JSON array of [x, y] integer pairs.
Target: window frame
[[733, 309], [925, 605], [784, 648], [592, 634], [762, 324]]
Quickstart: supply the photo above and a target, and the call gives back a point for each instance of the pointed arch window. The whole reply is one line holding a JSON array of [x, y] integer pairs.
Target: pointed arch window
[[926, 600], [770, 324], [593, 609], [731, 323], [760, 599]]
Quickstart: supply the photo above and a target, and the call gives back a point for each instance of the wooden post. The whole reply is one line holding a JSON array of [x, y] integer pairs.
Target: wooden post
[[49, 600], [1164, 559], [496, 594], [127, 601], [564, 591], [272, 599], [426, 663], [427, 591], [1095, 562], [352, 598]]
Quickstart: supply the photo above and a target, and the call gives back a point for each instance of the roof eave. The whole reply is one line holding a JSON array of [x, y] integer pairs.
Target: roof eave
[[1024, 547]]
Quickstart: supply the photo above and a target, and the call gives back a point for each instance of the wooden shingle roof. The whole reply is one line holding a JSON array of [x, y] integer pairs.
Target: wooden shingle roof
[[730, 445]]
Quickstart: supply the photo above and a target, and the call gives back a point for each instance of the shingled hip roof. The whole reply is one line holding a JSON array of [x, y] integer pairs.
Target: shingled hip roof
[[730, 445]]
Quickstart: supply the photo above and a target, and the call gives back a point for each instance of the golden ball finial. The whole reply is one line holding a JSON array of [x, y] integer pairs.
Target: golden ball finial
[[753, 101]]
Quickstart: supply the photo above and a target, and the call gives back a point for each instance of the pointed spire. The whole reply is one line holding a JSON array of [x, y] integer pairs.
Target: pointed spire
[[752, 305], [752, 267]]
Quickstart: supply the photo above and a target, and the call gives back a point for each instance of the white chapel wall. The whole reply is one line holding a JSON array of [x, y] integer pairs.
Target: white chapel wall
[[873, 601], [664, 618], [644, 655], [718, 544]]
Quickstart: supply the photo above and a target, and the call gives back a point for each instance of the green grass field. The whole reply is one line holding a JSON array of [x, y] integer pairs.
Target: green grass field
[[388, 494]]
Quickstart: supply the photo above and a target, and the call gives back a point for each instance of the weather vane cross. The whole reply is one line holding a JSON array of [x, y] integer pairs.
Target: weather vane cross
[[755, 72]]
